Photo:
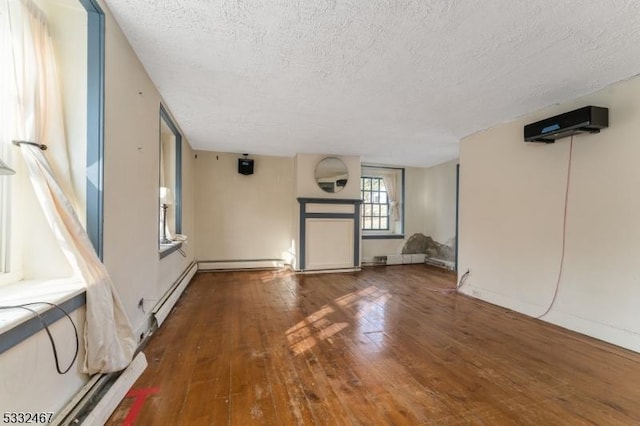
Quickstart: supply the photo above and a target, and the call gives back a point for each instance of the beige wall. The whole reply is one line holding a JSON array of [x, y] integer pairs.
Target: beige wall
[[440, 202], [243, 217], [307, 187], [131, 203], [511, 215]]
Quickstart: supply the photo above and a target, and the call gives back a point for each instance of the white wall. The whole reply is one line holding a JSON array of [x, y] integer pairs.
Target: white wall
[[243, 217], [511, 215], [28, 378]]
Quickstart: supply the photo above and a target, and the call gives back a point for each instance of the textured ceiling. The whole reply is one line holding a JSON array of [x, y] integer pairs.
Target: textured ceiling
[[395, 81]]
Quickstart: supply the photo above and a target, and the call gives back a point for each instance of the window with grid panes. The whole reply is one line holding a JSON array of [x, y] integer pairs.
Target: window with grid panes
[[375, 204]]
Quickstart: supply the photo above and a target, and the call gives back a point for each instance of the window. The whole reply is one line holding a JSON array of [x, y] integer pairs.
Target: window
[[382, 193], [170, 191], [375, 204], [4, 215], [77, 32]]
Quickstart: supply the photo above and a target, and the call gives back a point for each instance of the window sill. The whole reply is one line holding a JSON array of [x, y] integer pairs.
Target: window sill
[[383, 236], [167, 249], [18, 324]]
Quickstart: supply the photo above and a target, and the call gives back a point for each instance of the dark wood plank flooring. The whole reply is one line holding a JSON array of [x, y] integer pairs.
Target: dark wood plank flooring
[[379, 347]]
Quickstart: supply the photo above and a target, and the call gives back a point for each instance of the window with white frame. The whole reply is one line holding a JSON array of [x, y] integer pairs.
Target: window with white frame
[[375, 204], [382, 194]]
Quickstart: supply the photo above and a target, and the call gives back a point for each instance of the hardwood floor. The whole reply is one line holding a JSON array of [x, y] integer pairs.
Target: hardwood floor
[[379, 347]]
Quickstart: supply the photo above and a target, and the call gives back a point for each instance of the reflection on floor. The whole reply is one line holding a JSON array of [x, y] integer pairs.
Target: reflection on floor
[[377, 347]]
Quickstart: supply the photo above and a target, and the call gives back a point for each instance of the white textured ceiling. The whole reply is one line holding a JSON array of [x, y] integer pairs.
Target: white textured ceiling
[[395, 81]]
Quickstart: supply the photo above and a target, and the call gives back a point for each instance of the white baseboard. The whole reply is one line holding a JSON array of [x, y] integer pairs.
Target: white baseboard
[[608, 333], [330, 271], [108, 403], [213, 265], [163, 308]]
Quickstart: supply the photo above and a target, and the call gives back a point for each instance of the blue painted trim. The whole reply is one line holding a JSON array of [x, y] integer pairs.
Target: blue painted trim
[[404, 202], [331, 216], [383, 237], [355, 216], [23, 331], [166, 252], [356, 236], [179, 183], [457, 211], [178, 189], [303, 234], [95, 124], [329, 200]]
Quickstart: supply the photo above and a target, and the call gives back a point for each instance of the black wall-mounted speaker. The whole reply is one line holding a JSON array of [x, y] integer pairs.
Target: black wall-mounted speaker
[[245, 166]]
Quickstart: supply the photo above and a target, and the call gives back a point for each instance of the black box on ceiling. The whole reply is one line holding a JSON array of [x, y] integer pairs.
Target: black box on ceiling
[[245, 166]]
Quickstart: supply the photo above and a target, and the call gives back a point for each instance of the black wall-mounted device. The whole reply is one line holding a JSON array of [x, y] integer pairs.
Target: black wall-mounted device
[[589, 119], [245, 165]]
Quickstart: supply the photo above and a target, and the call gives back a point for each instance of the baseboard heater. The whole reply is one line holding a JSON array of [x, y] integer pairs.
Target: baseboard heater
[[97, 400], [440, 263], [162, 309], [216, 265]]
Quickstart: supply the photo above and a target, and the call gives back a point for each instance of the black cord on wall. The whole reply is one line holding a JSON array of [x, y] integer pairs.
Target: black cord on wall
[[26, 307], [463, 278]]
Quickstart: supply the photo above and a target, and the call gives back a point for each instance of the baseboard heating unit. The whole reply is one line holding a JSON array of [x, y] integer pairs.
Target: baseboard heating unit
[[101, 395], [218, 265], [162, 309]]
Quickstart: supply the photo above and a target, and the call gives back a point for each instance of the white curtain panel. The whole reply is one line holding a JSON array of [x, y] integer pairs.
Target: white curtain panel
[[391, 183], [34, 94]]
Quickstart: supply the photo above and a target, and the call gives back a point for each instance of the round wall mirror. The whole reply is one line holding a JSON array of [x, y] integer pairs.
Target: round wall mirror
[[331, 174]]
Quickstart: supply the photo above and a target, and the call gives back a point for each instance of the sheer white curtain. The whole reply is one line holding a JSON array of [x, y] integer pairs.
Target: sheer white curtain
[[391, 184], [33, 94]]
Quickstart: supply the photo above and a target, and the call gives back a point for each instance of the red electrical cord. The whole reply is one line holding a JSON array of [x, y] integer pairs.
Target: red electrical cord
[[564, 232]]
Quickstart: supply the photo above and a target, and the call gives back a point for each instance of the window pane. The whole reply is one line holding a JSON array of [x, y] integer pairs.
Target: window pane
[[376, 209]]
